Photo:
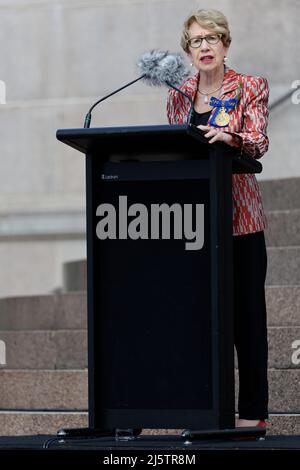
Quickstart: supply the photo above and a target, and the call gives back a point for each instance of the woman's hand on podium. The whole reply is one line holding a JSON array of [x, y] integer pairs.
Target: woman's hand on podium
[[215, 135]]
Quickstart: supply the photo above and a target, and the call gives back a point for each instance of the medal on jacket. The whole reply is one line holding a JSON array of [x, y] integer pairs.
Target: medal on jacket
[[221, 117]]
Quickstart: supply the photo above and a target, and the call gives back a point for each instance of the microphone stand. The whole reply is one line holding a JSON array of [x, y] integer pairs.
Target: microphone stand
[[88, 117], [187, 96]]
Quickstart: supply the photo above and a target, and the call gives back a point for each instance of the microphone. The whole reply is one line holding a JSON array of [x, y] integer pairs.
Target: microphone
[[162, 68], [158, 68]]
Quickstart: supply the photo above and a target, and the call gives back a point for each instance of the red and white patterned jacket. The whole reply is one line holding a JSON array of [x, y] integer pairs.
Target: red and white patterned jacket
[[249, 121]]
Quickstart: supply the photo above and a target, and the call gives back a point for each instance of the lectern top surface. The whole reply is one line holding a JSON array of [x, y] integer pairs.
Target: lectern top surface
[[153, 139]]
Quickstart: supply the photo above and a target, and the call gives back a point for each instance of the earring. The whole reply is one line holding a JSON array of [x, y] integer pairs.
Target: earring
[[192, 64], [225, 58]]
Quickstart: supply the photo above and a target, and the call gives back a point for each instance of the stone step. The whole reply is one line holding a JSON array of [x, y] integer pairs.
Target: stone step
[[43, 389], [44, 312], [58, 349], [67, 349], [284, 347], [283, 305], [65, 390], [69, 311], [283, 266], [22, 423], [284, 388], [281, 194], [278, 424], [283, 228], [283, 269]]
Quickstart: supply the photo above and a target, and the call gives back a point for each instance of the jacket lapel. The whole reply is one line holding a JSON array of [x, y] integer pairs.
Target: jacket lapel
[[230, 83]]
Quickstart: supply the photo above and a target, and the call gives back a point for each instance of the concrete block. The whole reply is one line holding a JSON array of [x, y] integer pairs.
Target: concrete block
[[75, 276], [20, 276]]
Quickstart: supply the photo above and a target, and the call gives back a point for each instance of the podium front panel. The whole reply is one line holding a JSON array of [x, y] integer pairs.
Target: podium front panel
[[151, 298]]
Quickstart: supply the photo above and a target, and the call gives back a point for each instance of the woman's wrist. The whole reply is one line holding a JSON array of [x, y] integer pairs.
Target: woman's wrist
[[235, 141]]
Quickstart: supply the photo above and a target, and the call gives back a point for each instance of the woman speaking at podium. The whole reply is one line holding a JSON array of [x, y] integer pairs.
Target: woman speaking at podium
[[233, 108]]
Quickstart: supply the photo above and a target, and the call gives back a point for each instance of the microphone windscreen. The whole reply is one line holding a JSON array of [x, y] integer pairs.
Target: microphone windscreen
[[160, 67]]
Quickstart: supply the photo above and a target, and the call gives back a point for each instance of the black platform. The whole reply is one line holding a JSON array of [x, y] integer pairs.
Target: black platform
[[148, 450]]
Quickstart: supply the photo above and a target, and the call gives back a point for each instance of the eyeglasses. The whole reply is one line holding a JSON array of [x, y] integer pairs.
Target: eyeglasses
[[210, 39]]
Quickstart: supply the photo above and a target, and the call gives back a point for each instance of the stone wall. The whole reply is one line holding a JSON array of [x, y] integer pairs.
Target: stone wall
[[57, 57]]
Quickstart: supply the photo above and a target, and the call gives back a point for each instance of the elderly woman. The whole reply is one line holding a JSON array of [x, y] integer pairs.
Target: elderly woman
[[239, 121]]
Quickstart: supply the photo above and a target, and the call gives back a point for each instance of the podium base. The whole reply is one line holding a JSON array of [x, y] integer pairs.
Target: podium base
[[238, 434], [119, 434], [63, 435], [84, 432]]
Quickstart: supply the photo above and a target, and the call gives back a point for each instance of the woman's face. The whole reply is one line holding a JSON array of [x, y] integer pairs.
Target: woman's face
[[207, 57]]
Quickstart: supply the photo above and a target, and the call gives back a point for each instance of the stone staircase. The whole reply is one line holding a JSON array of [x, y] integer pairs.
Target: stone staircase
[[43, 385]]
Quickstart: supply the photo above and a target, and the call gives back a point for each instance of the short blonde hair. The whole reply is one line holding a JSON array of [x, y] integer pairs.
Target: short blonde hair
[[209, 19]]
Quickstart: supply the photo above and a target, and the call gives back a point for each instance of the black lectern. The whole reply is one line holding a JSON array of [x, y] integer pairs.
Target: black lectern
[[159, 264]]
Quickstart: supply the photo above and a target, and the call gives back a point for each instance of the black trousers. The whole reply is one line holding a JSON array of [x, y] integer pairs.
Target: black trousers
[[250, 324]]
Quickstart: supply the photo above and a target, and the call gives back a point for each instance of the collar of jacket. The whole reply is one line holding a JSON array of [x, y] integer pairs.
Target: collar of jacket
[[230, 82]]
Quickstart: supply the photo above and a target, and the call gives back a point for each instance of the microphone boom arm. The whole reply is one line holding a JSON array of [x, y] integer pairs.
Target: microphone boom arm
[[187, 96], [88, 117]]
